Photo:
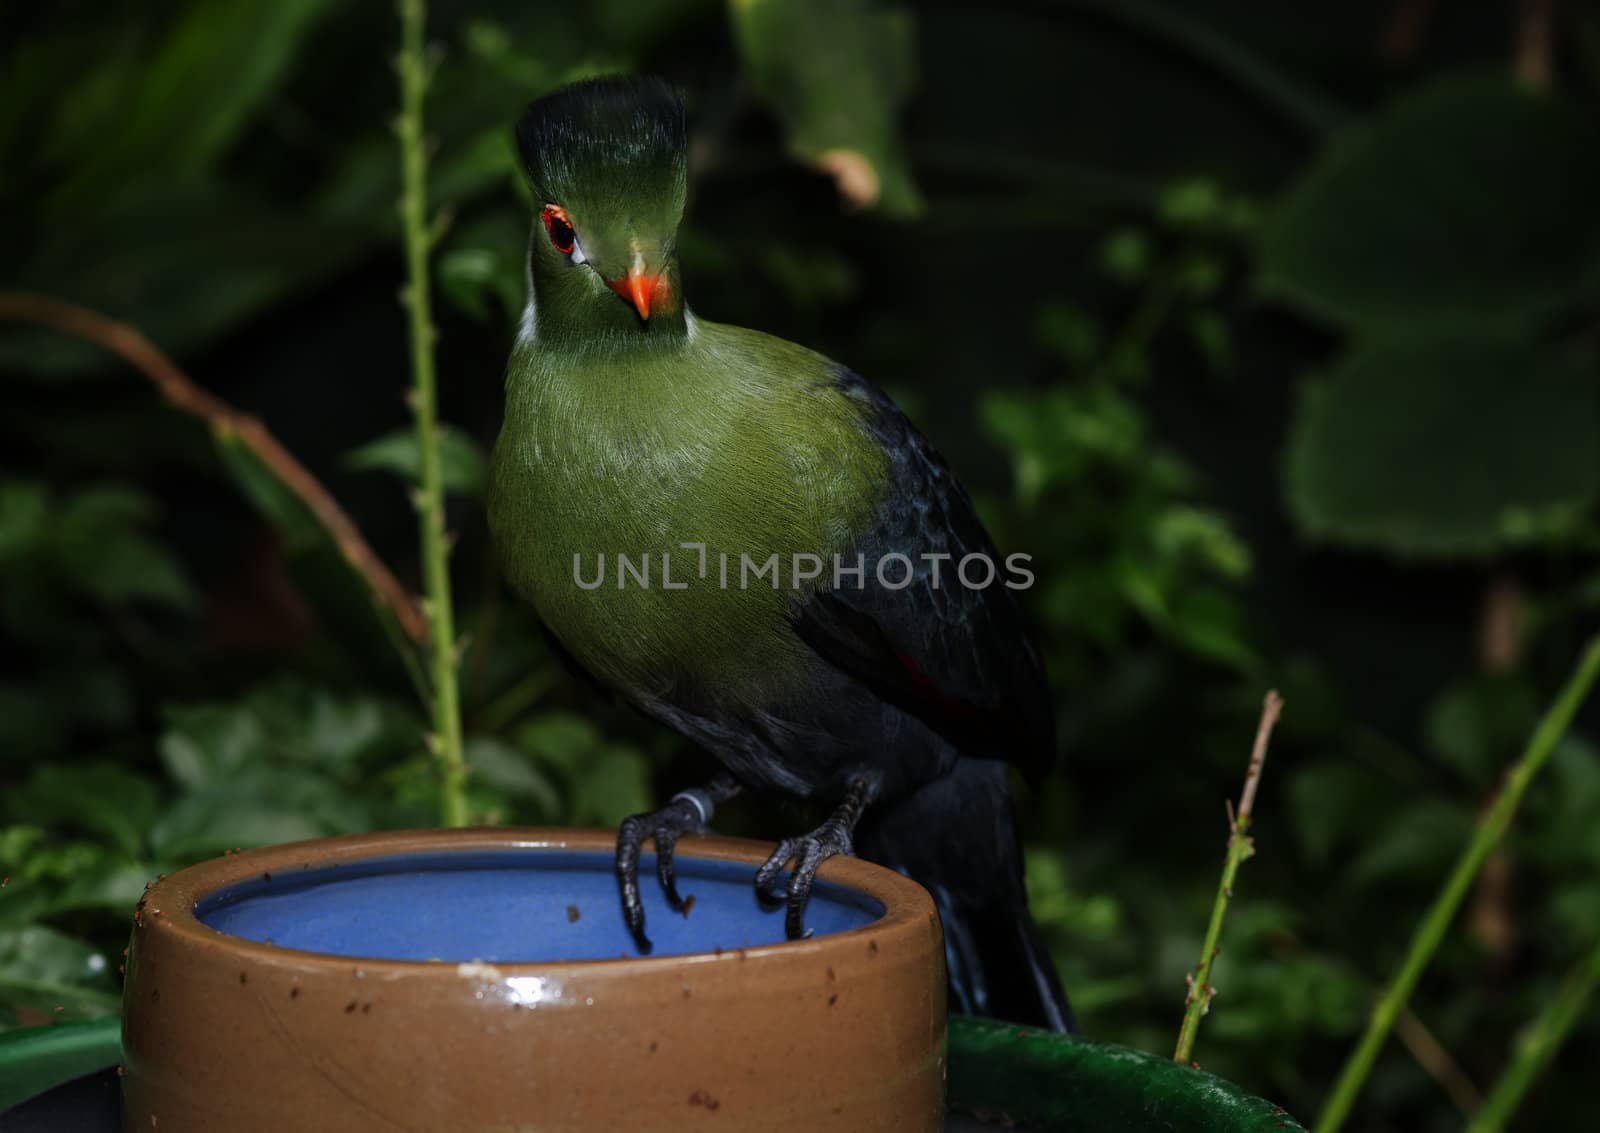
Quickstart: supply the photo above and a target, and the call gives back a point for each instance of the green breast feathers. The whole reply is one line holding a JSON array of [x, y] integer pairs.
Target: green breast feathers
[[659, 508]]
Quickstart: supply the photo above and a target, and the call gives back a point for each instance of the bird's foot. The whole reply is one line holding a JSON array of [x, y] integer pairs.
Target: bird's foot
[[689, 812], [808, 852]]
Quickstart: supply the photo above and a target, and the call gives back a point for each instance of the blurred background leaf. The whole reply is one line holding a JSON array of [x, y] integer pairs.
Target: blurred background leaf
[[464, 465], [836, 73], [1467, 202], [1423, 446], [53, 973], [1267, 331]]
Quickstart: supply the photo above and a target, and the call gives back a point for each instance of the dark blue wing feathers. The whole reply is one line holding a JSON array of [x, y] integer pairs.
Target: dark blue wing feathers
[[957, 657]]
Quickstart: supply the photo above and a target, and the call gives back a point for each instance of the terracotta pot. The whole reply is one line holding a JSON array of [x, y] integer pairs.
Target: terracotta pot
[[457, 981]]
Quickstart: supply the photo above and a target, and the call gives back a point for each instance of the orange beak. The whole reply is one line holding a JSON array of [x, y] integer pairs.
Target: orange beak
[[641, 288]]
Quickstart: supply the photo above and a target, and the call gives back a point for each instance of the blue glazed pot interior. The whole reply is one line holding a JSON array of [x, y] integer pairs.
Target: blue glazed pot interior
[[511, 906]]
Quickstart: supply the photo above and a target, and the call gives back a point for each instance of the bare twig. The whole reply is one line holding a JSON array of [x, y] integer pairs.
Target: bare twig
[[1502, 640], [1197, 1001], [228, 424], [1402, 35], [1271, 709], [1502, 624], [1432, 1056], [1491, 920], [1535, 49]]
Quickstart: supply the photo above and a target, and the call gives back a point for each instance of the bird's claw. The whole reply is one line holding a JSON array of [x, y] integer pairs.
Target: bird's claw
[[808, 852], [834, 837], [681, 816]]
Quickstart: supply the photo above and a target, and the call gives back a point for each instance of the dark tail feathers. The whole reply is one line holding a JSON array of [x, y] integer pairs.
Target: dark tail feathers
[[957, 836], [998, 967]]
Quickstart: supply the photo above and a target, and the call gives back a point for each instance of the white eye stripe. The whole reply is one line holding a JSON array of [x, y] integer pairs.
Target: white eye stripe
[[576, 255]]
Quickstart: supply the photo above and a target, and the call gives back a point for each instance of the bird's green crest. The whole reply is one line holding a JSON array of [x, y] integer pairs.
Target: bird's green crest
[[607, 144], [606, 162]]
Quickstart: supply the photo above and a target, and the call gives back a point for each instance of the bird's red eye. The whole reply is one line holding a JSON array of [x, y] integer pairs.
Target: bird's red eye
[[556, 223]]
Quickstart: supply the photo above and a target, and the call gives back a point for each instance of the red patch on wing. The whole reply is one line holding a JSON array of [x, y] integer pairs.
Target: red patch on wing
[[952, 704]]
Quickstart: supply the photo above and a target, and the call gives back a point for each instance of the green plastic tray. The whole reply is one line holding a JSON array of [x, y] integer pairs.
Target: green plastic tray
[[999, 1073], [36, 1059], [1058, 1084]]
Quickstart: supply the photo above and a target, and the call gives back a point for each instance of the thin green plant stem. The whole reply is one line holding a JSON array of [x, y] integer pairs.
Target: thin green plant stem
[[1437, 1061], [1149, 312], [1537, 1045], [1430, 932], [1197, 1001], [445, 739]]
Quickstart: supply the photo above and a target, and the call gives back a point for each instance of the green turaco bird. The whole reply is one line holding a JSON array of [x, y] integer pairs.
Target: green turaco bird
[[752, 545]]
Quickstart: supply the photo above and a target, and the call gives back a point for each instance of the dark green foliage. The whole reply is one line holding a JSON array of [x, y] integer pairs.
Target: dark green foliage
[[1451, 445], [56, 550], [465, 468], [1449, 232], [47, 970], [837, 73], [140, 211], [1267, 406], [1466, 204]]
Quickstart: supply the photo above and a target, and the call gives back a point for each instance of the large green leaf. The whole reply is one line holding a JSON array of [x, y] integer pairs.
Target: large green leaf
[[1413, 847], [613, 784], [462, 464], [605, 782], [287, 512], [484, 266], [317, 728], [562, 740], [836, 72], [134, 215], [1333, 802], [261, 806], [51, 878], [102, 799], [280, 725], [183, 260], [87, 543], [1055, 437], [510, 777], [98, 541], [209, 744], [1447, 447], [1559, 832], [177, 108], [1470, 201], [1479, 724], [107, 886]]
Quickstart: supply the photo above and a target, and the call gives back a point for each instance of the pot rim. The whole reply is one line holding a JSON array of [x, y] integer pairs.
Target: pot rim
[[168, 905]]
